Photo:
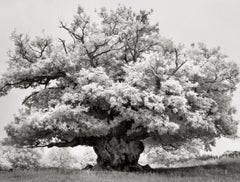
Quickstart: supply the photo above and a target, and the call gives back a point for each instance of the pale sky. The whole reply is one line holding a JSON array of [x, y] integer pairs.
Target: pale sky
[[214, 22]]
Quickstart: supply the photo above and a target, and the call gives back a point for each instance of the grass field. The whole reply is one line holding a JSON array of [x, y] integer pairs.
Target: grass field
[[227, 172]]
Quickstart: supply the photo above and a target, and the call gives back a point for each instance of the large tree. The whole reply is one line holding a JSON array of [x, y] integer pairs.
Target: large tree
[[116, 85]]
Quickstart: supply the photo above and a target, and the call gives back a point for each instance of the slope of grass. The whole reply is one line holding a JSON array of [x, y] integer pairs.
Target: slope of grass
[[223, 172], [53, 176]]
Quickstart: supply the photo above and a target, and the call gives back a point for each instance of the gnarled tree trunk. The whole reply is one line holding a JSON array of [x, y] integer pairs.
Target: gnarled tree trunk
[[118, 154]]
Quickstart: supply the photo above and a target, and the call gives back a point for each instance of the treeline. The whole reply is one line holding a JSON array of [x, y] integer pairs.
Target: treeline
[[227, 154], [12, 158]]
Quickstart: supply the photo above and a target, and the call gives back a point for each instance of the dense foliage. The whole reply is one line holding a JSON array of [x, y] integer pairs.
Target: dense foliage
[[117, 83]]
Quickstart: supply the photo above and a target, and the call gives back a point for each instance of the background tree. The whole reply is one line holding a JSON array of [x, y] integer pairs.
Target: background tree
[[21, 158], [58, 158], [157, 156], [4, 163], [116, 85], [87, 159]]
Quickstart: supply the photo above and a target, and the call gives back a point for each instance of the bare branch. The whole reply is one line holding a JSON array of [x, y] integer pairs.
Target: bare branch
[[41, 46], [71, 32], [153, 72], [176, 55], [176, 69], [28, 97], [64, 45], [108, 50], [42, 49]]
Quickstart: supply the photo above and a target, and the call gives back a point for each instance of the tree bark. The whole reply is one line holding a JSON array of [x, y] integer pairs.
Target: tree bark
[[118, 154]]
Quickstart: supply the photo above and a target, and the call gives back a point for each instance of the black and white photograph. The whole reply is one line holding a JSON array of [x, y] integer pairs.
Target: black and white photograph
[[120, 91]]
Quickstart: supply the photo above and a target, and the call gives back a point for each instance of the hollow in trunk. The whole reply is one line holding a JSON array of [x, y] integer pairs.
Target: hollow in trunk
[[118, 154]]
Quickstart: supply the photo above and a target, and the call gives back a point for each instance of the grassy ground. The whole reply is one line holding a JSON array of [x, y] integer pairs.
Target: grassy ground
[[224, 172]]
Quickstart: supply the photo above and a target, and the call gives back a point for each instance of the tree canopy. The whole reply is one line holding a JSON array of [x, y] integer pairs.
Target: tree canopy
[[117, 84]]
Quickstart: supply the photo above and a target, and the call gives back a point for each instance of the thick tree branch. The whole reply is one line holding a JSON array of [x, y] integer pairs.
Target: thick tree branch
[[88, 141], [28, 82]]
